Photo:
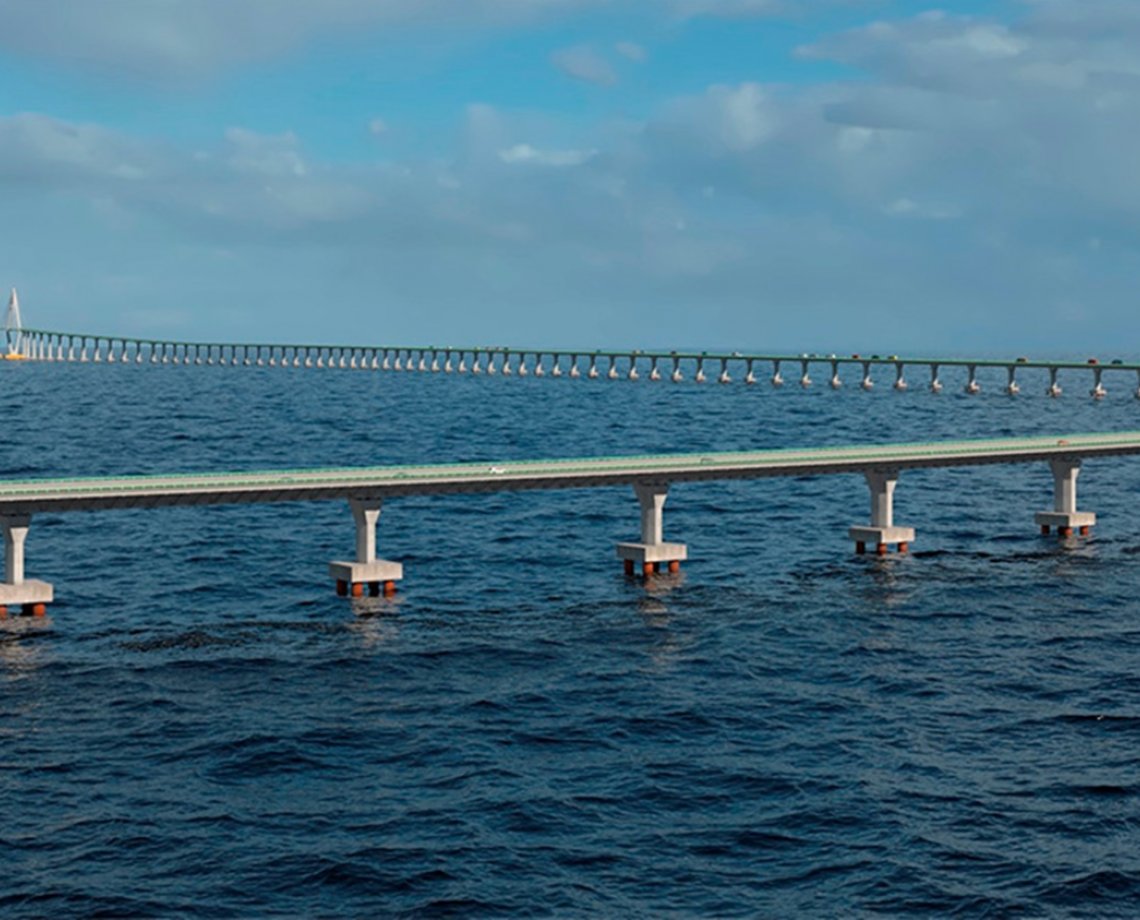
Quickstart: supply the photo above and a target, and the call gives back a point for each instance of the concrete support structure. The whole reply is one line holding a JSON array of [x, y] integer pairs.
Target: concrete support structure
[[882, 531], [1065, 516], [1012, 387], [652, 554], [28, 595], [366, 572], [900, 380], [972, 386]]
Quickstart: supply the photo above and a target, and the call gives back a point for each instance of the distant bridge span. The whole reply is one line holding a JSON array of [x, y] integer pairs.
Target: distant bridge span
[[613, 364]]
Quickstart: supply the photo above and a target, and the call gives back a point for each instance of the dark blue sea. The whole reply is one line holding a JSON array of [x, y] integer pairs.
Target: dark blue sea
[[200, 727]]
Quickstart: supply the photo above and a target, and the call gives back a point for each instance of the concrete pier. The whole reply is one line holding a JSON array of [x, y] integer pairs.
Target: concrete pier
[[881, 532], [26, 595], [366, 571], [1065, 516], [652, 554]]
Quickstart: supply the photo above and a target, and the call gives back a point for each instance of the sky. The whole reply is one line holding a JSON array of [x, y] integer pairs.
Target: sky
[[799, 175]]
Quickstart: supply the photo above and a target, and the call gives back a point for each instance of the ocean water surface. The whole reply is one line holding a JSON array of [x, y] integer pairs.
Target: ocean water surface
[[200, 727]]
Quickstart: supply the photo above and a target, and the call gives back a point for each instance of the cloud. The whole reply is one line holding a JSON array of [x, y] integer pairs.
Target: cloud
[[952, 189], [525, 153], [632, 51], [727, 9], [377, 127], [179, 40], [584, 63]]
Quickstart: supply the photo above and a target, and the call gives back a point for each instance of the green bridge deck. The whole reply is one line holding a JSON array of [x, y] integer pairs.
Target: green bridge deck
[[92, 494]]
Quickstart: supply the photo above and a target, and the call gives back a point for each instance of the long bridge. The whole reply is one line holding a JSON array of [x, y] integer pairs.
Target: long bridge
[[629, 364], [365, 490]]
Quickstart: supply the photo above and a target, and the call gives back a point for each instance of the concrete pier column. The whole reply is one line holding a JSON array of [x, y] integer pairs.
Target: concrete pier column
[[836, 383], [83, 350], [475, 367], [652, 553], [633, 373], [972, 385], [749, 373], [97, 351], [507, 369], [723, 376], [777, 377], [491, 369], [612, 373], [867, 383], [1055, 388], [900, 381], [592, 373], [321, 358], [699, 376], [366, 571], [574, 372], [461, 368], [1098, 391], [1065, 516], [882, 531], [16, 590], [935, 383], [421, 364], [676, 376], [805, 374], [1011, 386], [556, 365], [434, 361]]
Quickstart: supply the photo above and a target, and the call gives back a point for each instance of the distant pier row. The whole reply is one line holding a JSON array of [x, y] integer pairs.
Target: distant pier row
[[651, 477], [863, 371]]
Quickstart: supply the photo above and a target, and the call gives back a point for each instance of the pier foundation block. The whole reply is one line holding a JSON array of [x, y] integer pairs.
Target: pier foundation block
[[1065, 517], [27, 594], [366, 572], [881, 532], [652, 554]]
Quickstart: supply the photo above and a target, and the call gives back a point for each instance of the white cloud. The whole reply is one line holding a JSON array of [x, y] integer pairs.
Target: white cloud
[[192, 39], [377, 127], [632, 51], [728, 9], [584, 63], [951, 189], [525, 153]]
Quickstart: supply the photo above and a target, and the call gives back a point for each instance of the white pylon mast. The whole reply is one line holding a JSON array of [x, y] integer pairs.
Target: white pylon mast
[[13, 327]]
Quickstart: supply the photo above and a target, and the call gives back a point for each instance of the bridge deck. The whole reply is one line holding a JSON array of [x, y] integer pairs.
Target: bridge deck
[[91, 494]]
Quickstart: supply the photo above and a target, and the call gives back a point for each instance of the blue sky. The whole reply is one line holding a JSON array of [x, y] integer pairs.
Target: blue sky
[[795, 174]]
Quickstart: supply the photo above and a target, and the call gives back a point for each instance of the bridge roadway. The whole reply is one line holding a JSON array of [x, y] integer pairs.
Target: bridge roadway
[[366, 488], [629, 364]]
